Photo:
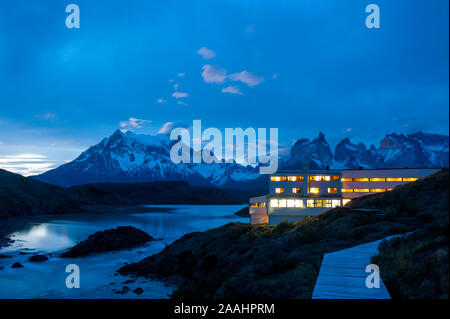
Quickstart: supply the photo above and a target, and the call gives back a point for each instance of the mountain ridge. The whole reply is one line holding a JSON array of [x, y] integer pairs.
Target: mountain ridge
[[132, 158]]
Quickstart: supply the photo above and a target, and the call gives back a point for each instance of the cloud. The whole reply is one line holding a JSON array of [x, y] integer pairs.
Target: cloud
[[132, 123], [182, 103], [232, 90], [179, 95], [1, 142], [181, 74], [26, 164], [176, 86], [47, 116], [216, 74], [246, 77], [161, 100], [213, 74], [169, 126], [206, 53]]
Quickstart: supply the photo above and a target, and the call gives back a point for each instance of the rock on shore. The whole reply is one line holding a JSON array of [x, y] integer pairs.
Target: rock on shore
[[243, 212], [38, 258], [121, 237]]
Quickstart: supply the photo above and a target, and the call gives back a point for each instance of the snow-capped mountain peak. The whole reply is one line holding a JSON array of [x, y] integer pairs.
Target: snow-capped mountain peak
[[130, 157]]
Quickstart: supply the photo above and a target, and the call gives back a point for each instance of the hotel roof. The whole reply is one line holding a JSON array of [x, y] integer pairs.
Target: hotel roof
[[320, 171]]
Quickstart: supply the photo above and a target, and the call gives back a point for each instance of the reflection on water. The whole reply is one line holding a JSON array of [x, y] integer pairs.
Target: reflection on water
[[42, 237], [52, 235], [63, 232]]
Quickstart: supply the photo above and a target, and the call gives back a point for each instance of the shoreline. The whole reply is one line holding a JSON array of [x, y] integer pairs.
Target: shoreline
[[10, 224]]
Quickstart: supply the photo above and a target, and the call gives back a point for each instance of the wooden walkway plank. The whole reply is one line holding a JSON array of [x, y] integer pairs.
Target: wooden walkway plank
[[343, 274]]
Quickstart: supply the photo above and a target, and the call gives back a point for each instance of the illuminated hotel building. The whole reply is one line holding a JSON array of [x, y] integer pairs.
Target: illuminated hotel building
[[293, 195]]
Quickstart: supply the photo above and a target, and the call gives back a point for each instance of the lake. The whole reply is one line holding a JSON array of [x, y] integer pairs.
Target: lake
[[53, 234]]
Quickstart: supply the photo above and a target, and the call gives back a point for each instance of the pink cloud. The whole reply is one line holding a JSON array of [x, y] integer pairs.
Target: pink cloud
[[179, 95], [246, 77], [132, 123], [206, 53], [213, 74], [232, 90]]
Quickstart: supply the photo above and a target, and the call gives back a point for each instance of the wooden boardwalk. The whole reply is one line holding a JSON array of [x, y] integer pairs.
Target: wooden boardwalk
[[343, 275]]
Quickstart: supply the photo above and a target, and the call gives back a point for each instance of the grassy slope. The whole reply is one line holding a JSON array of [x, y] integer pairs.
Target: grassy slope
[[416, 265], [239, 260]]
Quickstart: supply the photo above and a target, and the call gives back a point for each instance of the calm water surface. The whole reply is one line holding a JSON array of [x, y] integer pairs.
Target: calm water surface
[[54, 234]]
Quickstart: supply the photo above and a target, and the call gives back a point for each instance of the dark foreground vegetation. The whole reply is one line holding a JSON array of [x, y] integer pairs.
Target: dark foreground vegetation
[[416, 265], [244, 261], [121, 237]]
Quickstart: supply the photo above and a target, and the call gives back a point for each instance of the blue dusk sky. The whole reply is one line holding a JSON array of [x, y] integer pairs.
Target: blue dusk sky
[[302, 66]]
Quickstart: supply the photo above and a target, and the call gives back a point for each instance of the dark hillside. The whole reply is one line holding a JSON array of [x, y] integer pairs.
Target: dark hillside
[[21, 196], [157, 193]]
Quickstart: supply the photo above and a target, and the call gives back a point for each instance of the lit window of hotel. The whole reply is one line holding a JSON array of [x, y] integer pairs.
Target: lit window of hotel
[[377, 190], [377, 179], [410, 179], [335, 203], [389, 189], [361, 190], [291, 203], [319, 203], [347, 190], [332, 190], [394, 179], [274, 203], [278, 178], [326, 178], [298, 203], [279, 190], [346, 179], [295, 178], [345, 201], [360, 179], [314, 190], [296, 190]]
